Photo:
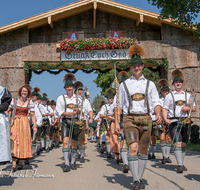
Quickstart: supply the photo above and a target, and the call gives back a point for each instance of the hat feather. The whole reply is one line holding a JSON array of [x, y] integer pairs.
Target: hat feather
[[136, 49], [48, 99], [44, 94], [78, 83], [163, 82], [110, 90], [101, 102], [69, 76], [52, 101], [123, 73], [37, 89], [176, 73]]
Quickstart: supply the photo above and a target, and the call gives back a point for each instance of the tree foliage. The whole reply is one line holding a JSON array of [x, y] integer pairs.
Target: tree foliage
[[96, 101], [105, 80], [182, 12]]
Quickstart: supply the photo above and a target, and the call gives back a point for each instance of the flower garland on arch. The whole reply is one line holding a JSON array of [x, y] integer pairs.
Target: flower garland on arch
[[29, 66], [90, 44]]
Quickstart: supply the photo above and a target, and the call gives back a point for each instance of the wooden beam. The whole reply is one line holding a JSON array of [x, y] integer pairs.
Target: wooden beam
[[50, 21], [94, 14], [139, 20]]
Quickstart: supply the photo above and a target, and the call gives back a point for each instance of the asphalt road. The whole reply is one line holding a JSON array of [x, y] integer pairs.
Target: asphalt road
[[45, 172]]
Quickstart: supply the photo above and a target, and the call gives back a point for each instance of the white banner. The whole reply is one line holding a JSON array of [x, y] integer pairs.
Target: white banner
[[95, 55]]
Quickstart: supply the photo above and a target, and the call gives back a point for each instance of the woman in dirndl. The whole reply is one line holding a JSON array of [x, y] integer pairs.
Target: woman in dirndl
[[5, 99], [20, 130]]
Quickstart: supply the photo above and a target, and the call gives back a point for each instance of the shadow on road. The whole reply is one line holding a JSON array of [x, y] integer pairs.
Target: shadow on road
[[173, 182], [193, 177], [6, 181], [164, 166]]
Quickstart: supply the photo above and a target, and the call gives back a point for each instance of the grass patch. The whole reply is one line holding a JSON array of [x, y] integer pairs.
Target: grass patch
[[195, 147]]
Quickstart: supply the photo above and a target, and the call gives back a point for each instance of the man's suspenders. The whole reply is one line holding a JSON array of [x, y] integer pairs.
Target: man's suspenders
[[146, 101]]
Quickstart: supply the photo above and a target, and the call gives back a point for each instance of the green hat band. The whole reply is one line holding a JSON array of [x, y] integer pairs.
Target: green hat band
[[110, 95], [53, 103], [80, 88], [44, 98], [48, 103], [165, 87], [39, 97], [177, 78], [136, 60], [124, 77], [34, 93], [68, 83]]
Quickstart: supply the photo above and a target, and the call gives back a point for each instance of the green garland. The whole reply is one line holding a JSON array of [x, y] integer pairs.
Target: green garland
[[29, 66]]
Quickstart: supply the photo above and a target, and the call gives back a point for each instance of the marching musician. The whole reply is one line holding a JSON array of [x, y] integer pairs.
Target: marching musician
[[175, 110], [163, 130], [85, 109], [136, 96], [46, 123], [104, 115], [67, 108]]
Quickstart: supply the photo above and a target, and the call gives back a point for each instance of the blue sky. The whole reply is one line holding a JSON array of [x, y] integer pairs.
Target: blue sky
[[14, 10]]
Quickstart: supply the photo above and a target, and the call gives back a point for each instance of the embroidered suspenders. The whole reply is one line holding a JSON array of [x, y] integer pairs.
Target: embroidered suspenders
[[138, 97]]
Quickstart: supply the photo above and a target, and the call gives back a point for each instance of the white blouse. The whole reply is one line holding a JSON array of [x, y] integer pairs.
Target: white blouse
[[31, 107]]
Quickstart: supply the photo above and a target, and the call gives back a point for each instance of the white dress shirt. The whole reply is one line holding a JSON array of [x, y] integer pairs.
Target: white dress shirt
[[169, 104], [60, 104], [138, 86]]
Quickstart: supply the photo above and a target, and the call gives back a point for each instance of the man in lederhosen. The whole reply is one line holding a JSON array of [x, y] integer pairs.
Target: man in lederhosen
[[176, 106], [86, 109], [136, 96], [110, 93], [163, 129], [46, 123], [67, 108]]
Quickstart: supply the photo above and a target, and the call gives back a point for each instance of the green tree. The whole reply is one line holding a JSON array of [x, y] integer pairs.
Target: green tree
[[96, 101], [182, 12], [104, 80]]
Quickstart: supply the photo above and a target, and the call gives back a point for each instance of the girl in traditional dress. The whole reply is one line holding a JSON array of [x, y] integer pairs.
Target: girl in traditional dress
[[20, 130], [5, 99]]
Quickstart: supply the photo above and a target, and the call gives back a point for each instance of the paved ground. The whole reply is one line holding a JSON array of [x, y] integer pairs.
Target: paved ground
[[99, 173]]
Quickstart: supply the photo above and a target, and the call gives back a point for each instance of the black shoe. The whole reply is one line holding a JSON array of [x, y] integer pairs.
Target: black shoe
[[101, 151], [164, 160], [27, 162], [180, 169], [153, 157], [125, 168], [33, 155], [184, 168], [38, 153], [168, 160], [119, 161], [20, 167], [47, 150], [136, 185], [82, 160], [149, 157], [73, 166], [109, 156], [66, 168], [14, 168], [142, 185]]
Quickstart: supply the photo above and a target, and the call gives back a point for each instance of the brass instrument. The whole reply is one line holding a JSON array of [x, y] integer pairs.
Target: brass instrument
[[81, 119], [107, 120], [59, 132], [188, 119]]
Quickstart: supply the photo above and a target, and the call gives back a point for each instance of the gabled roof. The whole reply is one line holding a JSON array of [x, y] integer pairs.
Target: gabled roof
[[78, 7]]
